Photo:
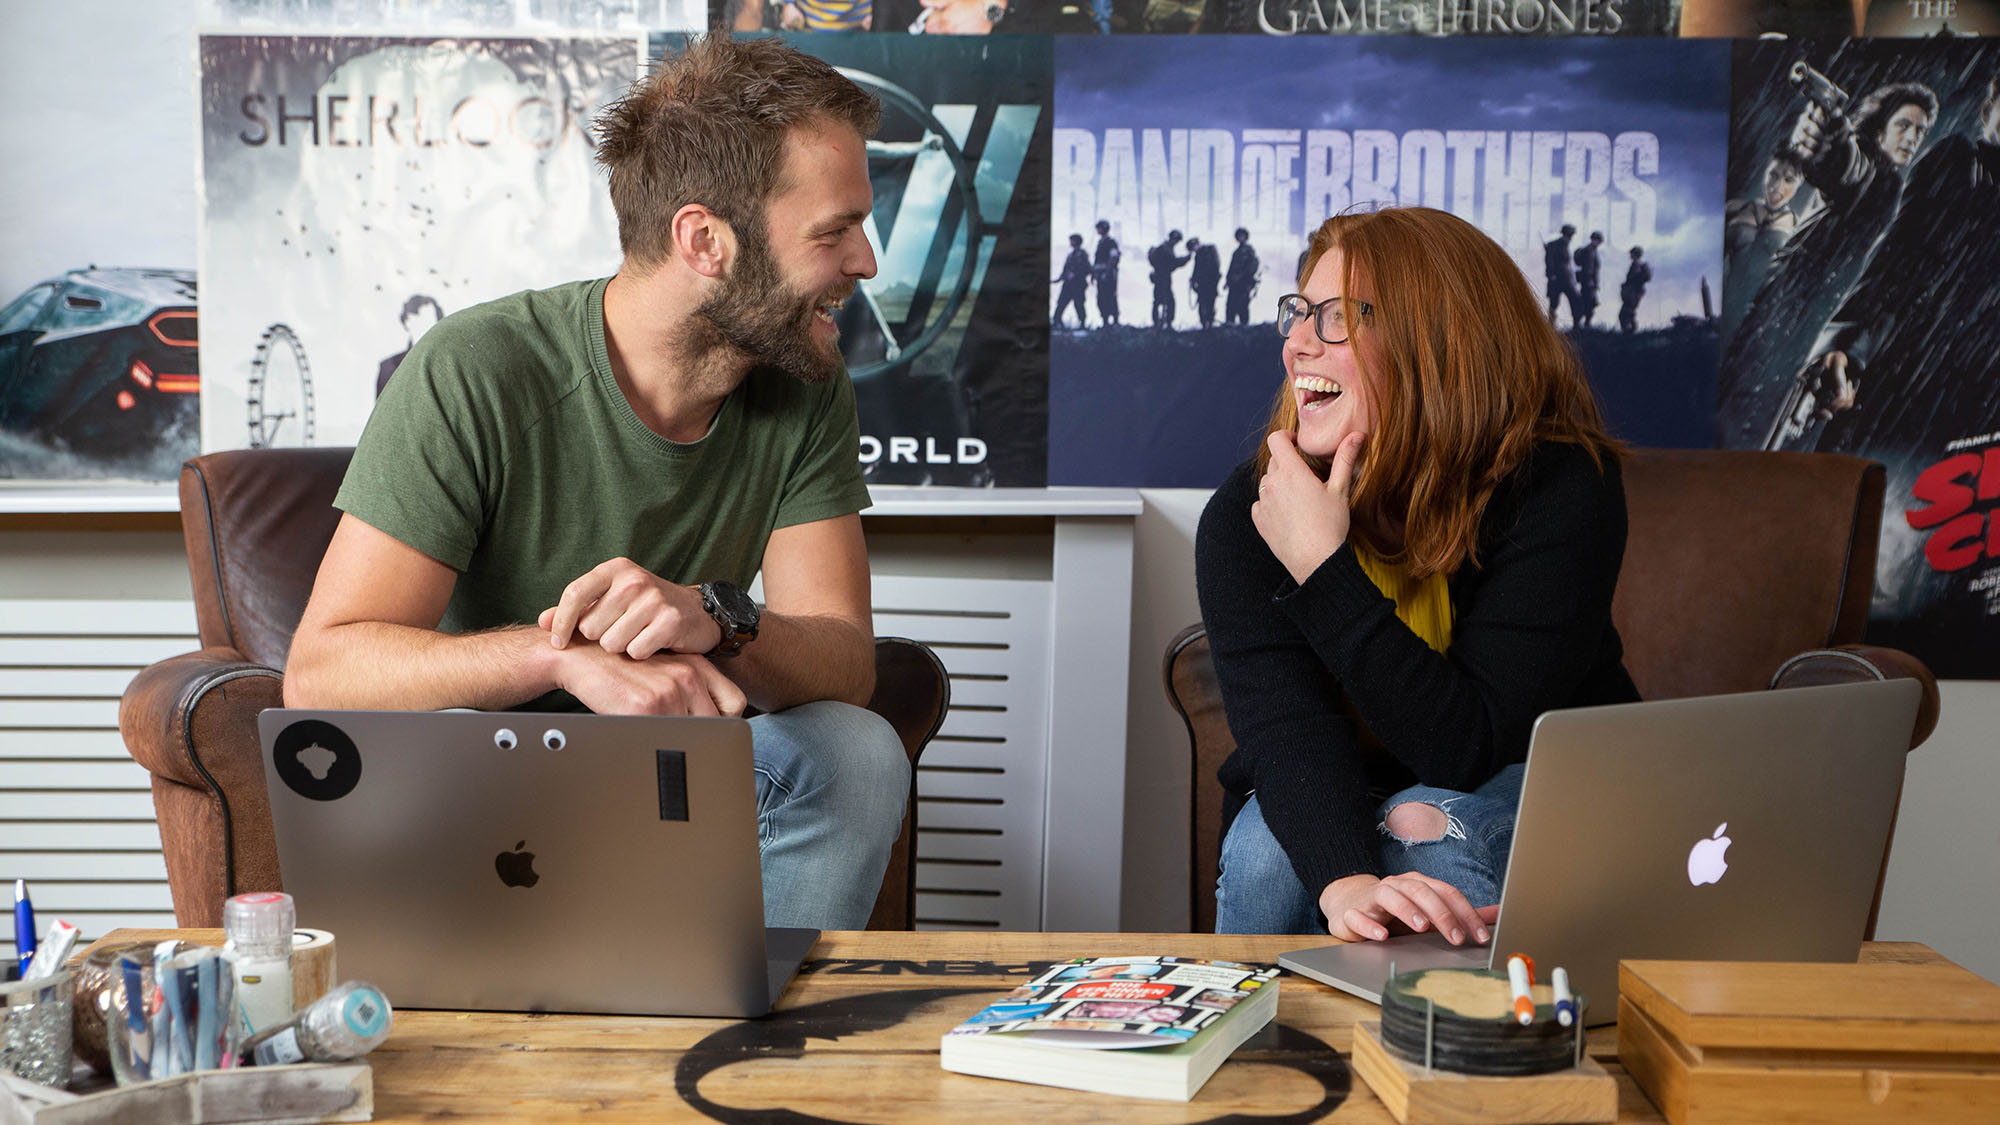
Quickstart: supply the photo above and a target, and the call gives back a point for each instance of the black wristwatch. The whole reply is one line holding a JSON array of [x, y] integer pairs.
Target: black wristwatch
[[735, 614]]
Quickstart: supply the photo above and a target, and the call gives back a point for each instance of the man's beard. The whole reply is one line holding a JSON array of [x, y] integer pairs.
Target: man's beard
[[752, 312]]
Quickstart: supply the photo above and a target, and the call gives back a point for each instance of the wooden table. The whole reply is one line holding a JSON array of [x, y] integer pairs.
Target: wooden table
[[855, 1039]]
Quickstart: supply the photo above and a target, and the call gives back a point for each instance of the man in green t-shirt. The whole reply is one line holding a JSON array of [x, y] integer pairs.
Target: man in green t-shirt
[[558, 499]]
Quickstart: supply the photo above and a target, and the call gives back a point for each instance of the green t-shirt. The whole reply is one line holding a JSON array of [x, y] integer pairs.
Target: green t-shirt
[[504, 449]]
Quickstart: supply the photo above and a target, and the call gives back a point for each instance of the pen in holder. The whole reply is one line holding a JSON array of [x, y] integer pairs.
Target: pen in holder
[[35, 1028], [176, 1018]]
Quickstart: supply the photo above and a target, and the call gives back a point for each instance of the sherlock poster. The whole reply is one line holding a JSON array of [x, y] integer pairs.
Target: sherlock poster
[[948, 347], [1863, 314], [355, 190], [1190, 173]]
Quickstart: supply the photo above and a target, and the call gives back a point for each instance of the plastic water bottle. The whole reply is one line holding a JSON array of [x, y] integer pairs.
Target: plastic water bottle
[[258, 929], [346, 1023]]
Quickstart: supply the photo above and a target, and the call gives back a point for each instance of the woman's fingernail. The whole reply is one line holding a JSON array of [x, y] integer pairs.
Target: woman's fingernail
[[1457, 937], [1483, 935]]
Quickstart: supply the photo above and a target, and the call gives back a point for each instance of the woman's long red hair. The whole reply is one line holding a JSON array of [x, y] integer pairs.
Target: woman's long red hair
[[1472, 376]]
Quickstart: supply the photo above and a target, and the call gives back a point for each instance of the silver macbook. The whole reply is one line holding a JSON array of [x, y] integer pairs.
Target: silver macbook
[[530, 862], [1725, 828]]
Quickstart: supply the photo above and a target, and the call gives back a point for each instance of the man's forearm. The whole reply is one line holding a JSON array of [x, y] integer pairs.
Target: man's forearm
[[375, 665], [797, 659]]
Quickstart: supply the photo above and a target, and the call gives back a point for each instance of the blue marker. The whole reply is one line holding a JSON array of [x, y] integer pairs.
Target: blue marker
[[24, 924], [1565, 1002], [135, 1016]]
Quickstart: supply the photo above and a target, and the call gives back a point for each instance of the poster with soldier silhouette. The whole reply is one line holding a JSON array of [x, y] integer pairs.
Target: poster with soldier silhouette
[[1861, 312], [1598, 165], [356, 189]]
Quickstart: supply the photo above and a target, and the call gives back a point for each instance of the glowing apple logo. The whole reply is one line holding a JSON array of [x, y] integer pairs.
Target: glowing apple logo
[[517, 868], [1705, 862]]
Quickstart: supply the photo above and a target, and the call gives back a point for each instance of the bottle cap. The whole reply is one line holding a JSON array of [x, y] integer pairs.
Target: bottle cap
[[262, 922]]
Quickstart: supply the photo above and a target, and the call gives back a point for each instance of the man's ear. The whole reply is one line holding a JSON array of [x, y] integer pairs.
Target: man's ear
[[703, 239]]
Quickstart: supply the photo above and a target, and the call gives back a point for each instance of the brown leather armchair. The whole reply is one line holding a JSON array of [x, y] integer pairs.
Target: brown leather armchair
[[256, 524], [1743, 570]]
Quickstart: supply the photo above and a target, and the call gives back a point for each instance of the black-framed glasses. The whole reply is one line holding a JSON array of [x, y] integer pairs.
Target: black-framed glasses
[[1329, 317]]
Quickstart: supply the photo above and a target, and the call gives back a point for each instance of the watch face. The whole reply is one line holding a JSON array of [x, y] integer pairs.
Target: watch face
[[734, 603]]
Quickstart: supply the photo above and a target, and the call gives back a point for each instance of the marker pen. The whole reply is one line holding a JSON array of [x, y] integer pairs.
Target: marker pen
[[1565, 1002], [50, 955], [1518, 981], [24, 924]]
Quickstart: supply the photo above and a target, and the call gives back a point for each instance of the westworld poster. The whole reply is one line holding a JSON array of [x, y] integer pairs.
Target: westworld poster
[[949, 350], [354, 190], [1164, 362], [1863, 312]]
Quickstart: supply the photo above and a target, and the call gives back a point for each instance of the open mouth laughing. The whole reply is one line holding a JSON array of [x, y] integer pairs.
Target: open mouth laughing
[[1315, 392]]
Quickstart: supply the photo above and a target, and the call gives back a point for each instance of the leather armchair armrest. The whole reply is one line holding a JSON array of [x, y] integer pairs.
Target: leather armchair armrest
[[218, 688], [191, 720], [1850, 663]]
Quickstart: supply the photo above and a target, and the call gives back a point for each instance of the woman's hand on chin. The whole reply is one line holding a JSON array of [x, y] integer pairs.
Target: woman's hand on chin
[[1303, 519]]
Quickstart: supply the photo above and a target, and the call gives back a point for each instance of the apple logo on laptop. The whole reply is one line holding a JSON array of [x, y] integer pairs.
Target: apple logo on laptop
[[316, 760], [517, 868], [1705, 862]]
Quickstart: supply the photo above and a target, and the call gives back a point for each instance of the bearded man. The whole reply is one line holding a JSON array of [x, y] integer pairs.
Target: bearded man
[[559, 499]]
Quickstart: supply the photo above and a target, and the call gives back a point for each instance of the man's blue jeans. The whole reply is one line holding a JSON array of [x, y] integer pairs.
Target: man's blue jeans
[[833, 782], [1259, 893]]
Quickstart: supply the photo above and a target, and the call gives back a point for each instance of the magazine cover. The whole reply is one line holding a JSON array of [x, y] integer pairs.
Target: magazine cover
[[1121, 1002], [1864, 315], [1190, 173], [355, 190]]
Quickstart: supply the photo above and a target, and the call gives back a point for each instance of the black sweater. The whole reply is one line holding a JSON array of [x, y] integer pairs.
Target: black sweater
[[1532, 633]]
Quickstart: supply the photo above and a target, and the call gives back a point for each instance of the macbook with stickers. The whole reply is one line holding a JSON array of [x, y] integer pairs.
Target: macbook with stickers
[[520, 861], [1743, 827]]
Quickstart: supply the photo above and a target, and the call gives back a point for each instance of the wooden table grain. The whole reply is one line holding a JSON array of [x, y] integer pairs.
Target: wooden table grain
[[855, 1039]]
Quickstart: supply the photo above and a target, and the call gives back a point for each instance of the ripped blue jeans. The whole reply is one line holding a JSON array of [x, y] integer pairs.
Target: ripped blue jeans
[[1258, 893]]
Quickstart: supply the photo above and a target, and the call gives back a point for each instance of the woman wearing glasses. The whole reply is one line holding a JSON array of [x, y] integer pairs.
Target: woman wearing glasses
[[1417, 563]]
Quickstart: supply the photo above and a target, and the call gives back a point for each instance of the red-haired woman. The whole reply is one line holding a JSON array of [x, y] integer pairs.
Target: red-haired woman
[[1416, 565]]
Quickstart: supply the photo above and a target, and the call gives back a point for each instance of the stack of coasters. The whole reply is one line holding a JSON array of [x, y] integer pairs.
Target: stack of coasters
[[1484, 1067], [1713, 1041]]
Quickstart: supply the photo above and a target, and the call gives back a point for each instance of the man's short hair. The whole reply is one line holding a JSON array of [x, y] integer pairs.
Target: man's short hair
[[1872, 115], [1568, 229], [1076, 240], [709, 127], [1103, 226], [1242, 233], [418, 301]]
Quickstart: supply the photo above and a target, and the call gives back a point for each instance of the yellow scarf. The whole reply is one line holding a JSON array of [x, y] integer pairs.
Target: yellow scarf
[[1424, 605]]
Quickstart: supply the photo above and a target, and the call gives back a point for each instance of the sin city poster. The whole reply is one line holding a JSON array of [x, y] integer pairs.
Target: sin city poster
[[1863, 306]]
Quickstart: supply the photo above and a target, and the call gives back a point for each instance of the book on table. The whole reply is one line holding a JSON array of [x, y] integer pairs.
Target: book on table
[[1148, 1027]]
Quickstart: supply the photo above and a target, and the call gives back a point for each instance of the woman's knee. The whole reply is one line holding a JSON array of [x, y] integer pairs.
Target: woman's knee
[[1417, 822]]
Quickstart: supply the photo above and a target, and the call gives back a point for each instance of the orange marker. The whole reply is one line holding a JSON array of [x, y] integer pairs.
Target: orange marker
[[1520, 977]]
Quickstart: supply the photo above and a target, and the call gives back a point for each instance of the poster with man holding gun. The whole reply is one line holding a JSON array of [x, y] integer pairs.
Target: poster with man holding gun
[[1876, 330]]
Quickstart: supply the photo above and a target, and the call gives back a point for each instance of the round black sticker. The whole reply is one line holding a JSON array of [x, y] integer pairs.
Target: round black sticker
[[316, 760]]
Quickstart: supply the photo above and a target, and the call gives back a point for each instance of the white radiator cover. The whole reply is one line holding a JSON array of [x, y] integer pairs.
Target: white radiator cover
[[76, 813]]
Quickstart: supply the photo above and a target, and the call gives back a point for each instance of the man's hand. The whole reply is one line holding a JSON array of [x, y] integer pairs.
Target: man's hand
[[631, 611], [611, 683], [1302, 518], [1833, 388], [1808, 133], [1365, 908]]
